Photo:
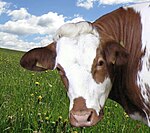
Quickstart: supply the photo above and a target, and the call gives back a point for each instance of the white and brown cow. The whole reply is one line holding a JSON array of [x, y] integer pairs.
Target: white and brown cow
[[109, 58]]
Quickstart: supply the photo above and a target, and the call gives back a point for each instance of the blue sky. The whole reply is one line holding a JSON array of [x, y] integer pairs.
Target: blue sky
[[25, 24]]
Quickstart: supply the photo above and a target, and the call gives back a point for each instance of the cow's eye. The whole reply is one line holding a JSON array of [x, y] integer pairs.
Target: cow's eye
[[100, 63]]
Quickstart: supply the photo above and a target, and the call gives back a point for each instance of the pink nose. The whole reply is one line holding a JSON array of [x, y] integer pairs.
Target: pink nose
[[84, 118]]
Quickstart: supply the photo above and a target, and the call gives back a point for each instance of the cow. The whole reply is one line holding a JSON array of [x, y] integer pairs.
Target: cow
[[107, 58]]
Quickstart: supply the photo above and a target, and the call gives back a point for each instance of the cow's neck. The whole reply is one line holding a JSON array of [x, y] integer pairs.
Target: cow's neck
[[124, 27]]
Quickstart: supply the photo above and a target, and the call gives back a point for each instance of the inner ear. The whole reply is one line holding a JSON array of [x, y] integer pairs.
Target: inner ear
[[115, 53], [40, 59]]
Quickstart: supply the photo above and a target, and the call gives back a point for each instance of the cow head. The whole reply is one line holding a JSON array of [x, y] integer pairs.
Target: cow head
[[83, 66]]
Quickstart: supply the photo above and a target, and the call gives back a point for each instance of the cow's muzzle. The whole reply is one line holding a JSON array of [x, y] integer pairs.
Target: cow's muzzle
[[81, 116], [85, 118]]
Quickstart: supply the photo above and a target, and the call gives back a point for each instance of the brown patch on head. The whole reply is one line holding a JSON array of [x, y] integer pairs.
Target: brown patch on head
[[99, 68], [107, 57]]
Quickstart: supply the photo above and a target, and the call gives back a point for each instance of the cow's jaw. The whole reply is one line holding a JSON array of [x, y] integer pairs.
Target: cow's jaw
[[76, 56]]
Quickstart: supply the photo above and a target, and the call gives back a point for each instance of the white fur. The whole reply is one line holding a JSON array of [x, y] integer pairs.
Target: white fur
[[76, 50], [137, 116], [75, 29], [143, 77]]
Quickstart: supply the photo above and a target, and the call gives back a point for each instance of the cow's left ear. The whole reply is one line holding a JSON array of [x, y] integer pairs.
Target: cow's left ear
[[40, 59], [115, 53]]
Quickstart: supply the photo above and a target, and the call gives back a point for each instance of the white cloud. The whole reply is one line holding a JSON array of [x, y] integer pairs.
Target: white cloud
[[14, 42], [77, 18], [3, 7], [88, 4], [22, 25], [49, 23], [19, 27], [85, 3], [45, 40], [19, 14], [27, 24]]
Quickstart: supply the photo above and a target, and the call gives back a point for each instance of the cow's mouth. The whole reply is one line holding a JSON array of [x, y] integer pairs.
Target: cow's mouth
[[85, 118]]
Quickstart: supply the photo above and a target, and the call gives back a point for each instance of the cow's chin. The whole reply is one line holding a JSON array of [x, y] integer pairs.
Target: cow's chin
[[85, 119]]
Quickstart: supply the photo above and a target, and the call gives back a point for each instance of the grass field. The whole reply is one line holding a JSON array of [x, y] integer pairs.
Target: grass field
[[37, 103]]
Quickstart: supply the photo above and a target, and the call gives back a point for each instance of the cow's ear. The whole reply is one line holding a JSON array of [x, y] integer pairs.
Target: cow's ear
[[40, 59], [115, 53]]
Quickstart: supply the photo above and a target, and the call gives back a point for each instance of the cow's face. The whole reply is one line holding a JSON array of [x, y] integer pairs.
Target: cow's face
[[87, 93], [83, 67]]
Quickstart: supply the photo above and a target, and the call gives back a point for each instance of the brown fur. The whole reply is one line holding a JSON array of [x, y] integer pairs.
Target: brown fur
[[99, 72], [123, 27], [79, 104], [63, 76]]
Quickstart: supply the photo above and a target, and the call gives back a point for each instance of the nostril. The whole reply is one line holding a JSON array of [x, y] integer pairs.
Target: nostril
[[90, 117], [83, 118]]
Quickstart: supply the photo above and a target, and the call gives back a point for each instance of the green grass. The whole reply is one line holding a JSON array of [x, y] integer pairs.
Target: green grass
[[33, 102]]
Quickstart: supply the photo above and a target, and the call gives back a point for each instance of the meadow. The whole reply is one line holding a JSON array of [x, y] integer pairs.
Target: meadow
[[33, 102]]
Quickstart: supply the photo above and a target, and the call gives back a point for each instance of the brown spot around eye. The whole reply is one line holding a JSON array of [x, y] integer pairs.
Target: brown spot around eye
[[99, 76], [99, 69]]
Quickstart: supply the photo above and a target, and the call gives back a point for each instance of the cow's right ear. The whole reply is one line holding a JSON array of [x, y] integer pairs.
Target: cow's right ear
[[115, 53], [40, 59]]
